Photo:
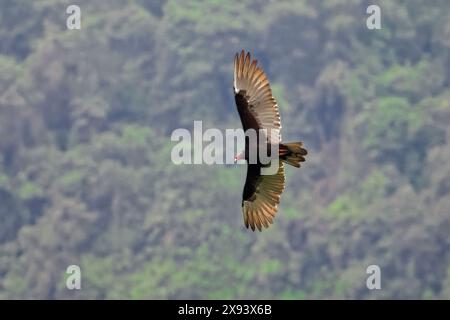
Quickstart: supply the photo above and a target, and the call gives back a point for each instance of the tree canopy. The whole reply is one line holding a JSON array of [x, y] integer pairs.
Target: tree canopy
[[85, 172]]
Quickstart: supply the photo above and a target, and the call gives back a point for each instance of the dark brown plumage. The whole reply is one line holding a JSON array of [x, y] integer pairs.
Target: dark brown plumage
[[258, 110]]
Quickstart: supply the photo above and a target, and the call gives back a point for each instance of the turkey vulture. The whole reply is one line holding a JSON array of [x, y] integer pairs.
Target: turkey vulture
[[258, 110]]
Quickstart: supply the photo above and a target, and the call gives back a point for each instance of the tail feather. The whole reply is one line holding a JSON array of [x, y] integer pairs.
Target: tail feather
[[293, 153]]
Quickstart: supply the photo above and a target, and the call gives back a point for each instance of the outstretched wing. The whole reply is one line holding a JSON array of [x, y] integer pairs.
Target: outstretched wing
[[261, 196], [256, 106], [258, 110]]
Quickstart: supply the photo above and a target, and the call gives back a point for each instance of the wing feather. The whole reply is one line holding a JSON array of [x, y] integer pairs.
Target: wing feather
[[261, 109], [257, 109], [261, 198]]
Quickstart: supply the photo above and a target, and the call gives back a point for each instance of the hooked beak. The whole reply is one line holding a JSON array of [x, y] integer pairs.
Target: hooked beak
[[239, 156]]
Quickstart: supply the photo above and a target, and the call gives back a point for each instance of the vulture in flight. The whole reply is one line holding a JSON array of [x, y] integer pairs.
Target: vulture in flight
[[258, 110]]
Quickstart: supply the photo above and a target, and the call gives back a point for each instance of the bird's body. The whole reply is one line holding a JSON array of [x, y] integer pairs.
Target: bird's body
[[258, 110]]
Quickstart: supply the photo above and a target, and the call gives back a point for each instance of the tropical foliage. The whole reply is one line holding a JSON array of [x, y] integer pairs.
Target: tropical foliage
[[85, 172]]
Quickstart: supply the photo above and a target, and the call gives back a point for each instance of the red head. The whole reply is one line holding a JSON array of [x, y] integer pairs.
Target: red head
[[239, 156]]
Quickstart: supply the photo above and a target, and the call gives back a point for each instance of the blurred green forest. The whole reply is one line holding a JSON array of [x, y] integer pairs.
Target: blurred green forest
[[85, 172]]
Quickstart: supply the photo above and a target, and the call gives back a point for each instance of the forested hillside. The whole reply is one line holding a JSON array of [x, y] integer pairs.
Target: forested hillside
[[86, 176]]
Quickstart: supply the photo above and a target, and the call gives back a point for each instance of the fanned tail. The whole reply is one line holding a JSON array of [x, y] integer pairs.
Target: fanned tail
[[292, 153]]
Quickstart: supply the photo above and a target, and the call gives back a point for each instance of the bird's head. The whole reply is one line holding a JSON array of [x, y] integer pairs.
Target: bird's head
[[239, 156]]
